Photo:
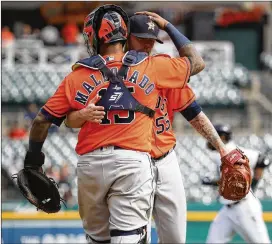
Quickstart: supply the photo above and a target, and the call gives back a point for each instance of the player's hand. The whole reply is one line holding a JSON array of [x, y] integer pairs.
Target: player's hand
[[160, 21], [92, 112], [223, 151]]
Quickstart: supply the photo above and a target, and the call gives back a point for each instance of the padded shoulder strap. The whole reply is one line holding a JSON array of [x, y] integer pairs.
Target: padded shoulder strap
[[133, 58], [95, 62]]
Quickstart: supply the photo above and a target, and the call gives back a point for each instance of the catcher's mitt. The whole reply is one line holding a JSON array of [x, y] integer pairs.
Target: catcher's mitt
[[39, 190], [236, 176]]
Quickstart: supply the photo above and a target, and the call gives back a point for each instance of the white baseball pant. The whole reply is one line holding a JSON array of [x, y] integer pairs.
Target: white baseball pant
[[244, 218], [170, 209], [115, 192]]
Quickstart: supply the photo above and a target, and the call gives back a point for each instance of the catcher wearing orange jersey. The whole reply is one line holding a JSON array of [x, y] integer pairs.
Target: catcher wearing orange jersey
[[115, 177], [170, 202]]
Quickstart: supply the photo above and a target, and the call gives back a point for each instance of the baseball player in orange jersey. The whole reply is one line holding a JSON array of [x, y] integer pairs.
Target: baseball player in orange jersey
[[115, 180], [170, 201]]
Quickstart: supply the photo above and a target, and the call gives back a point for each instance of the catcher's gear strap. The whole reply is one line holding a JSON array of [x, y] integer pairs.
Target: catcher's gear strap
[[92, 240], [117, 96], [120, 236], [138, 231], [131, 58], [34, 159]]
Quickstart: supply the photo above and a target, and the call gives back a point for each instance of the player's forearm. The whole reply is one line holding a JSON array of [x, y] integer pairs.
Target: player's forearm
[[38, 132], [185, 49], [203, 125], [73, 120]]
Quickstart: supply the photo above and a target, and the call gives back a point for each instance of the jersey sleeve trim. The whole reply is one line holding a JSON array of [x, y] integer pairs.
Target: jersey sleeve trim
[[191, 111], [52, 118], [189, 102], [52, 112]]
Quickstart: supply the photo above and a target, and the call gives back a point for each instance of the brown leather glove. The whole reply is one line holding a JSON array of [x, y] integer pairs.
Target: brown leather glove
[[236, 178]]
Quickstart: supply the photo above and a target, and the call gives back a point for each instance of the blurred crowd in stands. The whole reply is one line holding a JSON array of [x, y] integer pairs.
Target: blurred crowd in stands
[[63, 176], [18, 130], [223, 84], [68, 35]]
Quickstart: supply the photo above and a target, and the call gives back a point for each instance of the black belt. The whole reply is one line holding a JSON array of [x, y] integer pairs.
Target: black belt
[[164, 155], [114, 147], [233, 204]]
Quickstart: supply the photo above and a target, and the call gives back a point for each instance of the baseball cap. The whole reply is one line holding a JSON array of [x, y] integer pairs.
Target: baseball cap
[[142, 26]]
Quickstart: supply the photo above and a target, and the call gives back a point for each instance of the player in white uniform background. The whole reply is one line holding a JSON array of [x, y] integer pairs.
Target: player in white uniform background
[[242, 217]]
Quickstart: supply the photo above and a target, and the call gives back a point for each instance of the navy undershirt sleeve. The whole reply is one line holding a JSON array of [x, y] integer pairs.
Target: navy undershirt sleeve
[[191, 111]]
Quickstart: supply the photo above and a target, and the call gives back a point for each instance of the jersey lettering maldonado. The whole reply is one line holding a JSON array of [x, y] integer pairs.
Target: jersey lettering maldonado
[[127, 129]]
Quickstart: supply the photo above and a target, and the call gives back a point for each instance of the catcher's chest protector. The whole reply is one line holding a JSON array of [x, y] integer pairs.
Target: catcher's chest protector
[[117, 96]]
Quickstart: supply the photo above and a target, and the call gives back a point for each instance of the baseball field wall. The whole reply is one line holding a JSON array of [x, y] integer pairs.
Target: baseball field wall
[[66, 227]]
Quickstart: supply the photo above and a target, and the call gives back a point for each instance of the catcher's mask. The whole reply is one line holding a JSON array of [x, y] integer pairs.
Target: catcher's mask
[[107, 24]]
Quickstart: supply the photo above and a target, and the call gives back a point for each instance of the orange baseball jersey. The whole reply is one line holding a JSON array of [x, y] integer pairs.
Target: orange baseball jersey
[[169, 102], [126, 129]]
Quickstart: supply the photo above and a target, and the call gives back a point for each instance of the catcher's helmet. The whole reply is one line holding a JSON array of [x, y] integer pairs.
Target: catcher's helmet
[[224, 130], [108, 24]]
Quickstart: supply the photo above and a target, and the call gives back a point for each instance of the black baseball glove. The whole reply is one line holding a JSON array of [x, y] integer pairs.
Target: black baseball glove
[[37, 188]]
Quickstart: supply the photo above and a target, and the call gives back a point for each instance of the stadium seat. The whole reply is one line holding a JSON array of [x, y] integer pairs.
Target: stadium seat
[[195, 160], [215, 86], [266, 59]]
